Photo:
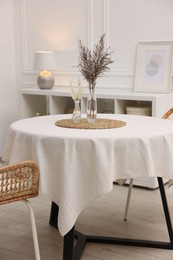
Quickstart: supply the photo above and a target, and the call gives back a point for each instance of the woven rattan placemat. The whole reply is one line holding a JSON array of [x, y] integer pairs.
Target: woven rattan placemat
[[101, 123]]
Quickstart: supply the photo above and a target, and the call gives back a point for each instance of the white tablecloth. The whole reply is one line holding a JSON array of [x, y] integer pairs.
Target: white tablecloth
[[76, 165]]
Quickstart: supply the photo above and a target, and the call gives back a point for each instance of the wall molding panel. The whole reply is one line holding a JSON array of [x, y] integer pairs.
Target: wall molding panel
[[106, 21], [26, 68], [123, 25], [72, 70]]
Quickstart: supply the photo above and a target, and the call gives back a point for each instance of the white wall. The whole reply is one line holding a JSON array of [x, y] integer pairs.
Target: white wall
[[57, 25], [30, 25], [8, 96]]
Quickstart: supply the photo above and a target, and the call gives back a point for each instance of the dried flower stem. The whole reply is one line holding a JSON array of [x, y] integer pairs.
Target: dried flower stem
[[79, 93]]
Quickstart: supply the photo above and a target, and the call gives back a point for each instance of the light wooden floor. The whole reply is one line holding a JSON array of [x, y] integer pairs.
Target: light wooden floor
[[104, 216]]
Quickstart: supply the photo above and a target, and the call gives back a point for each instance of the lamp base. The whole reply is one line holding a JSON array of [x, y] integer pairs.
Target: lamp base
[[45, 80]]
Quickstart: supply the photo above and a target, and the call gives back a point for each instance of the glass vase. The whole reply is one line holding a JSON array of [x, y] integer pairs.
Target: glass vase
[[91, 106], [77, 111]]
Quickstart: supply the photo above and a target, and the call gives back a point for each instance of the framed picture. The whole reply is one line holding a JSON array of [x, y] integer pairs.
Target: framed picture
[[154, 66]]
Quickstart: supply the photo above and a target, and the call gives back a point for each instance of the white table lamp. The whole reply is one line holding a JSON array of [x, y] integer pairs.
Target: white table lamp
[[45, 61]]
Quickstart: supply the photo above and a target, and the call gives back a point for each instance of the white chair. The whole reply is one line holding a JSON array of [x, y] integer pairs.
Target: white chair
[[18, 182], [167, 115]]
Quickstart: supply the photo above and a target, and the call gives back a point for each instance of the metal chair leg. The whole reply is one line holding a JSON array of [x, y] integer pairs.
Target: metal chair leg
[[34, 230], [128, 199]]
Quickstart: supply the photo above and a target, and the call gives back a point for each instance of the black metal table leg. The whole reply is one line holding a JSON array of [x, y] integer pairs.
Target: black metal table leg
[[74, 253], [68, 245], [53, 220], [135, 242], [166, 209]]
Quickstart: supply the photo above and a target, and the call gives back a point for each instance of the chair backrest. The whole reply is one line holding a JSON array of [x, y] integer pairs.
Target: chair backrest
[[18, 181], [168, 113]]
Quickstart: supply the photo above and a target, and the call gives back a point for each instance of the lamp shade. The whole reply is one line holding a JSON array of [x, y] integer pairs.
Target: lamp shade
[[45, 60]]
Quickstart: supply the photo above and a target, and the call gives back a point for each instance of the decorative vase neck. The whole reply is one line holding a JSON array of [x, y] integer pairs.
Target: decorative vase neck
[[91, 105]]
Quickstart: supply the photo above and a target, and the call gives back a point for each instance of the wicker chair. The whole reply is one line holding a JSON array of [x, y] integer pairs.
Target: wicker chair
[[19, 182], [167, 115]]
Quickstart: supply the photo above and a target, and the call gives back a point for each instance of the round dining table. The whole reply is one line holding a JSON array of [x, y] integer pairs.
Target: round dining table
[[79, 164]]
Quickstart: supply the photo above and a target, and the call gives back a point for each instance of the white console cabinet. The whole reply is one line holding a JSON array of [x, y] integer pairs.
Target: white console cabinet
[[58, 100], [35, 101]]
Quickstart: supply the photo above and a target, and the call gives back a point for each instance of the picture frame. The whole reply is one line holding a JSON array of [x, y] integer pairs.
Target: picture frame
[[154, 66]]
